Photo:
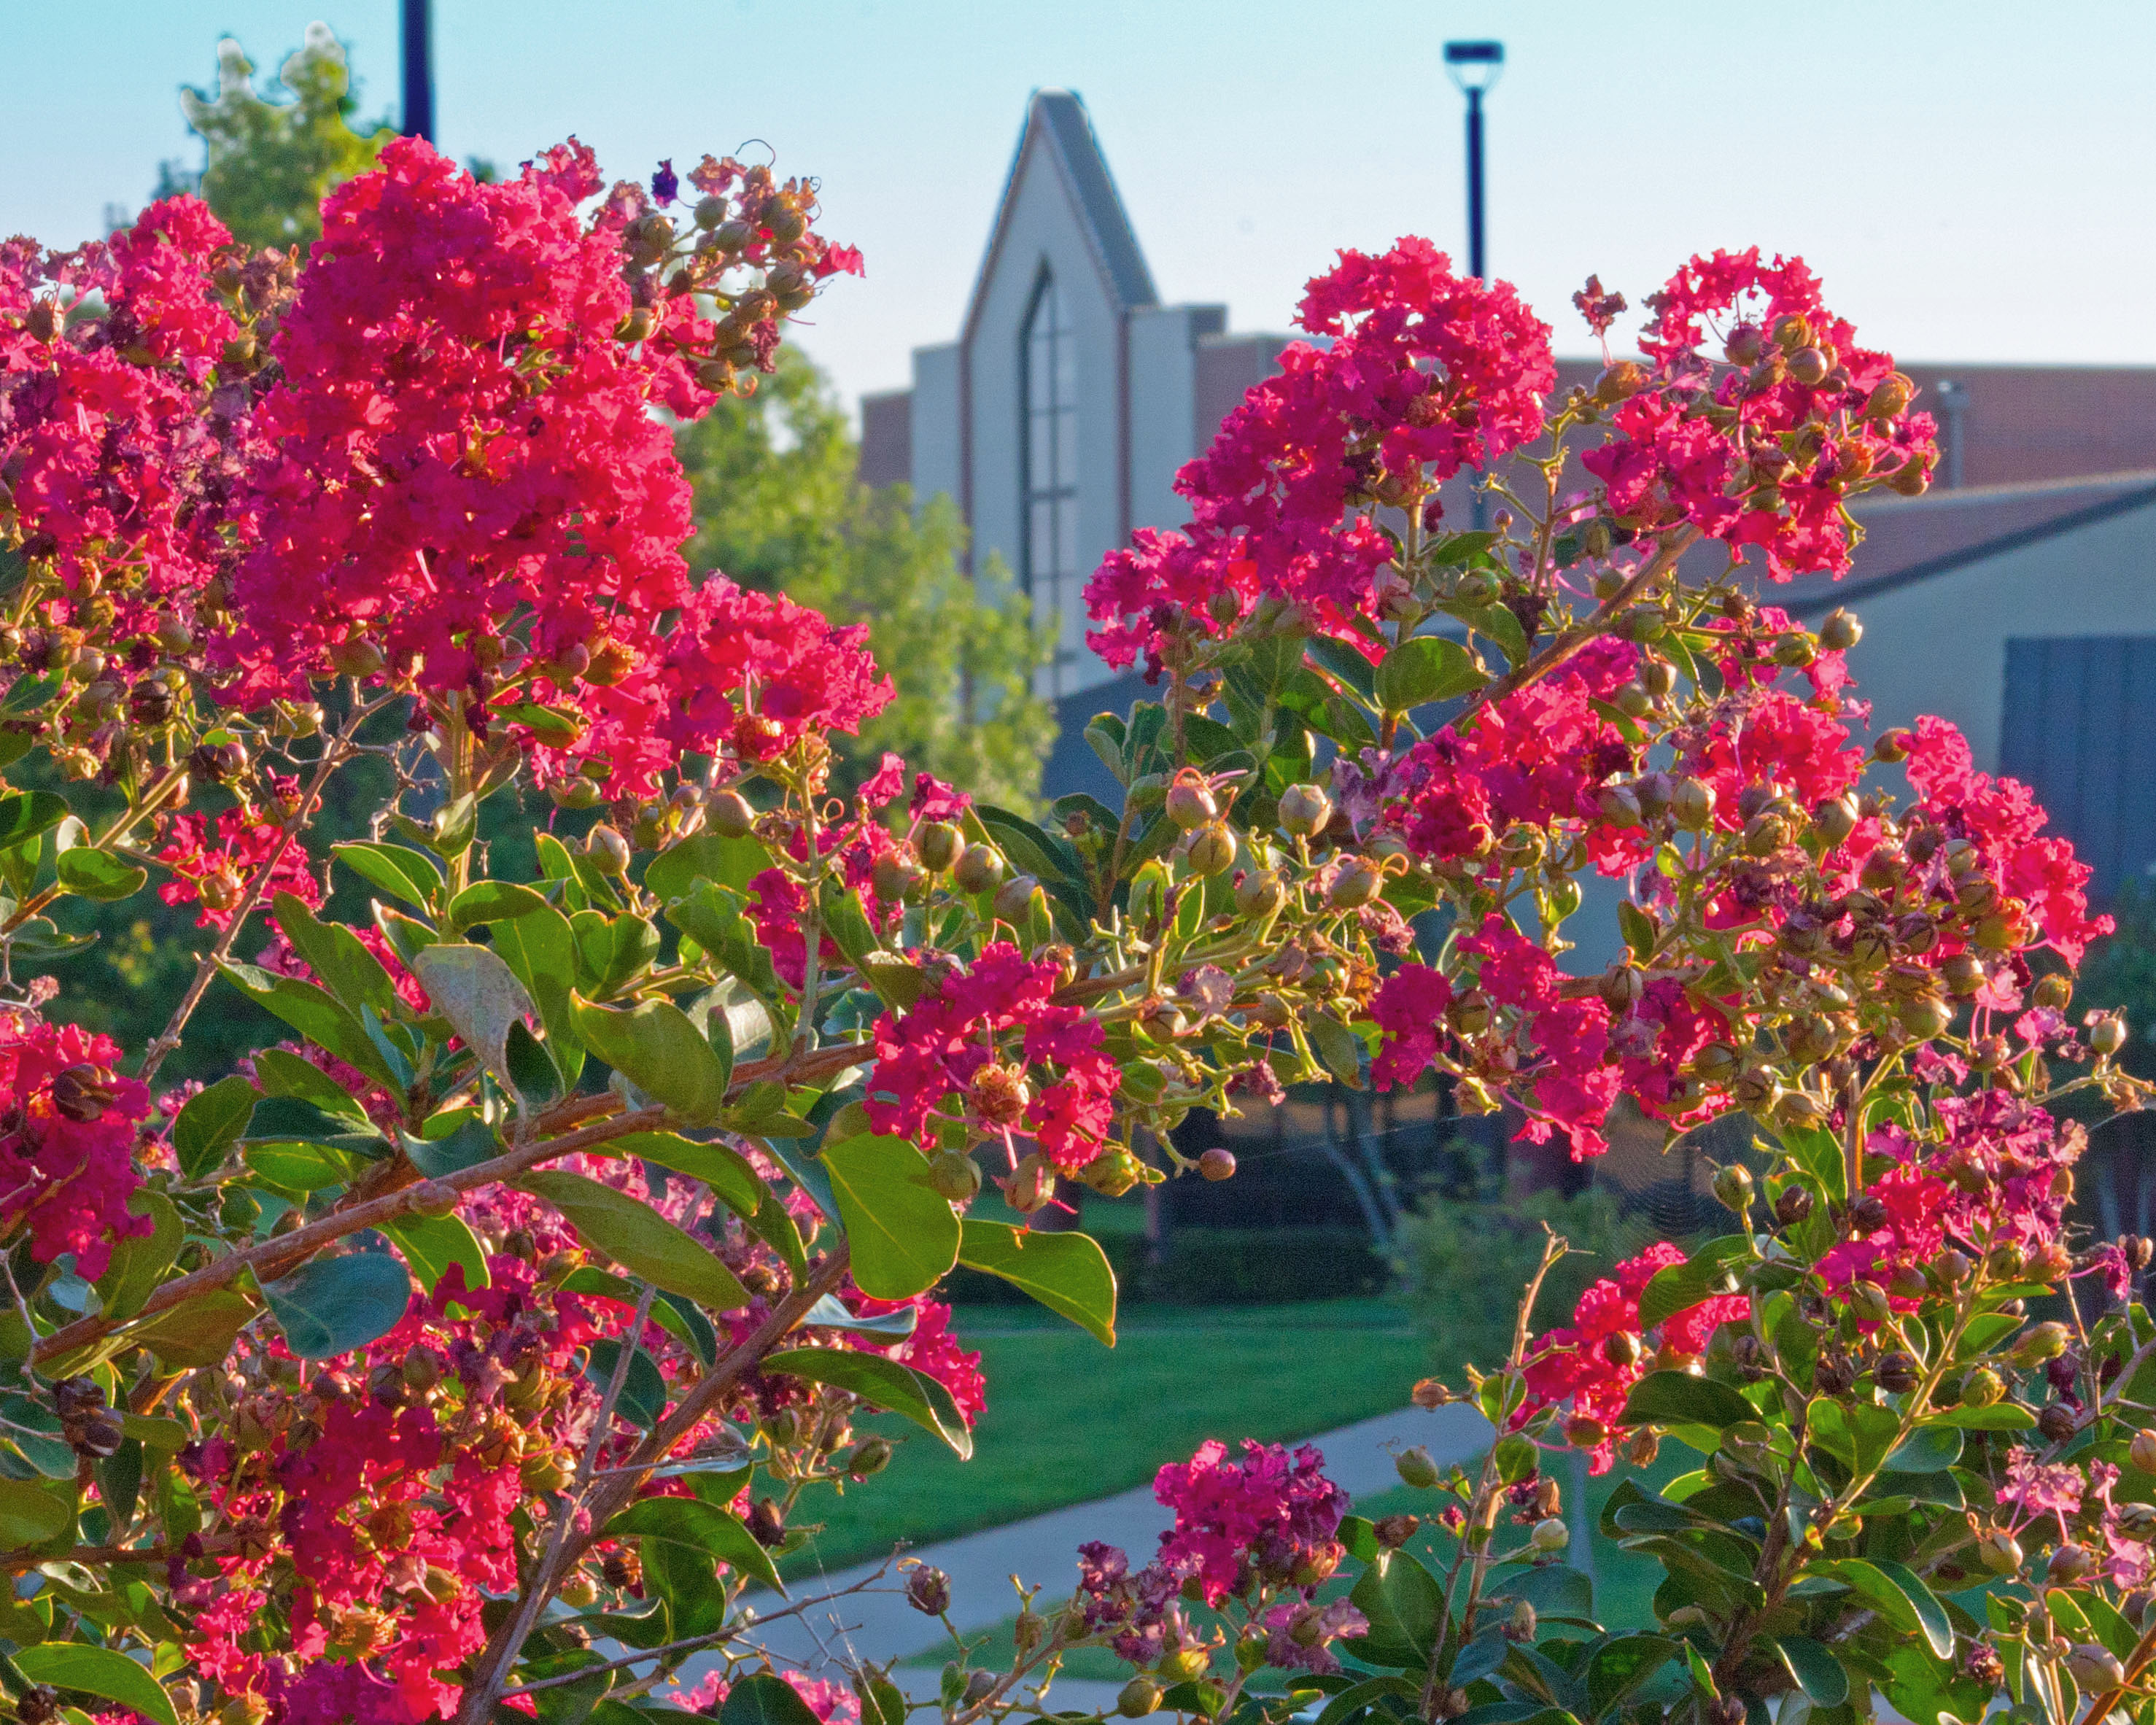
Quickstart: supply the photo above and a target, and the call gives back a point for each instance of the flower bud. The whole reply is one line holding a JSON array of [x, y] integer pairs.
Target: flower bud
[[1519, 1626], [979, 868], [1260, 893], [1305, 810], [1620, 381], [1183, 1665], [2141, 1452], [1212, 849], [1792, 331], [2108, 1034], [356, 657], [1809, 367], [1868, 1302], [1925, 1017], [1839, 630], [2045, 1341], [1619, 806], [871, 1455], [1892, 748], [1031, 1185], [1692, 804], [1890, 397], [1217, 1164], [730, 814], [1551, 1534], [767, 1523], [1734, 1188], [2055, 991], [1416, 1469], [1980, 1387], [1015, 898], [607, 849], [1582, 1431], [938, 844], [1950, 1269], [1139, 1696], [1743, 345]]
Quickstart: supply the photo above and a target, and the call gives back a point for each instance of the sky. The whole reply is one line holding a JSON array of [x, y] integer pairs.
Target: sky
[[1973, 184]]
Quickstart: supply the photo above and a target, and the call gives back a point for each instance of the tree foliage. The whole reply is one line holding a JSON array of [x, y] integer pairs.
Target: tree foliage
[[269, 162], [780, 506]]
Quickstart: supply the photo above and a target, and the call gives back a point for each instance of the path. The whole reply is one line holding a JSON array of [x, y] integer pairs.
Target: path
[[879, 1627]]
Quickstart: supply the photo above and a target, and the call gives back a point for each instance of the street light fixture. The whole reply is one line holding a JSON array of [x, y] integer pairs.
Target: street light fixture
[[1474, 67], [418, 46]]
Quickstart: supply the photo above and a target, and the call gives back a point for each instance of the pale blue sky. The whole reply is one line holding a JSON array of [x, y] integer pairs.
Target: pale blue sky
[[1975, 181]]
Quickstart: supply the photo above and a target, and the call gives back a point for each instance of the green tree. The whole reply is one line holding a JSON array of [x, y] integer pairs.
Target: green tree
[[269, 162], [780, 506]]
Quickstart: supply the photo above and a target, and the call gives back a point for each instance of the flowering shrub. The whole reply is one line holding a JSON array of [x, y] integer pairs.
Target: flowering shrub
[[481, 1347]]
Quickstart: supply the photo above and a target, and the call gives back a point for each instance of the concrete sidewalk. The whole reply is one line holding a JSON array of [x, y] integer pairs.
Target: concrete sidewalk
[[878, 1626]]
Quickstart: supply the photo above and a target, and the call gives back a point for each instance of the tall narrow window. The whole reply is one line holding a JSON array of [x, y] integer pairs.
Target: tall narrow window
[[1049, 468]]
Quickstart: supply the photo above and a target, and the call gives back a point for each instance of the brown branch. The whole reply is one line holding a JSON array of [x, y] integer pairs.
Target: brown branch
[[1572, 640], [275, 1256], [623, 1483]]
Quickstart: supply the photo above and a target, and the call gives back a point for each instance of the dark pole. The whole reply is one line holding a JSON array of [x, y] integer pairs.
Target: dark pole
[[1474, 183], [418, 72]]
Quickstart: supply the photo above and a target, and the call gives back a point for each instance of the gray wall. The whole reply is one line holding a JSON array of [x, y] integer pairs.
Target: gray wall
[[1164, 429]]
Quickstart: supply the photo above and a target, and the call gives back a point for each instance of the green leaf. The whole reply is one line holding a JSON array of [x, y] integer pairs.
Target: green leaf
[[1927, 1450], [1345, 663], [896, 1389], [31, 1514], [2001, 1416], [1679, 1399], [726, 1171], [140, 1261], [1817, 1671], [551, 725], [655, 1046], [99, 874], [210, 1124], [315, 1014], [639, 1239], [1425, 670], [762, 1699], [1555, 1590], [335, 955], [705, 856], [539, 946], [642, 1398], [1903, 1599], [333, 1305], [705, 1526], [98, 1671], [282, 1073], [198, 1332], [903, 1233], [411, 876], [480, 994], [432, 1244], [1405, 1607], [26, 815], [1068, 1273], [494, 901], [1681, 1285]]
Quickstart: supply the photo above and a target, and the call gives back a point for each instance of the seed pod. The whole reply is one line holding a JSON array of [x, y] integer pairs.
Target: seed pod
[[2069, 1564], [40, 1702], [1305, 810], [2057, 1423], [1519, 1626], [871, 1455], [82, 1093], [607, 849], [1217, 1164], [1031, 1185], [979, 868], [730, 814], [1692, 804], [1925, 1017], [1191, 802], [1138, 1698], [1950, 1269], [1839, 630], [955, 1176], [356, 657], [1260, 893], [2138, 1520], [1893, 746], [2108, 1034], [1868, 1302], [1896, 1373], [1582, 1431], [2094, 1667], [928, 1590], [1619, 806], [1359, 881], [1715, 1064], [1621, 1348], [1416, 1469], [1999, 1550], [1980, 1387], [767, 1523], [1551, 1534], [1794, 1205], [1112, 1173], [2141, 1452], [1212, 850], [1183, 1665], [1809, 367], [2055, 991], [1015, 898], [1394, 1531]]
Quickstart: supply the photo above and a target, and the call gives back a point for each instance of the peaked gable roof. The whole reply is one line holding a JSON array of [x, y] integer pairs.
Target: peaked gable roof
[[1056, 122]]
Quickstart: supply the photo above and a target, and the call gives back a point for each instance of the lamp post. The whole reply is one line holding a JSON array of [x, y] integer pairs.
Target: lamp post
[[419, 47], [1474, 67]]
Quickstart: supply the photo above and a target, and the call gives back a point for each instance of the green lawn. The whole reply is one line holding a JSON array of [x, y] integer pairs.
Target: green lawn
[[1068, 1420]]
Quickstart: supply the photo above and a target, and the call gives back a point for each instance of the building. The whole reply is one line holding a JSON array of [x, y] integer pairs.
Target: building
[[2017, 599]]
